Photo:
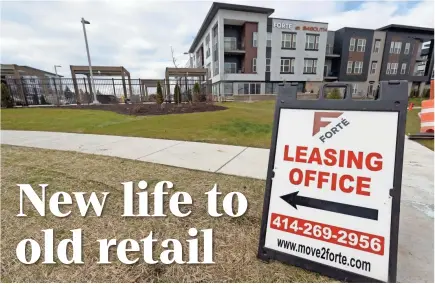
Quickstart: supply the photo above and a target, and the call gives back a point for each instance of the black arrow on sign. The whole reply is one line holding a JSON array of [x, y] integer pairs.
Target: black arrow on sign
[[294, 200]]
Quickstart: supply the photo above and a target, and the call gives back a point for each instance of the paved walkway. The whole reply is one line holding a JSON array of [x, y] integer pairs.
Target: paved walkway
[[416, 239]]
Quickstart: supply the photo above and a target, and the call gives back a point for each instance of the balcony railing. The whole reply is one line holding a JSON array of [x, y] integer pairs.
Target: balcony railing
[[231, 44], [330, 51]]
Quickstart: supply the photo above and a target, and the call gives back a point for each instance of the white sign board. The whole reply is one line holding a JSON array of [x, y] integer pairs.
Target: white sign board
[[330, 197]]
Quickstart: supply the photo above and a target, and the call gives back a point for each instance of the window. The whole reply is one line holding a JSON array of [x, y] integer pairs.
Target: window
[[361, 45], [207, 46], [287, 65], [352, 44], [373, 68], [215, 68], [354, 89], [395, 47], [209, 70], [267, 64], [349, 67], [249, 88], [271, 88], [393, 70], [388, 69], [254, 88], [403, 69], [228, 89], [254, 39], [269, 40], [377, 46], [310, 66], [230, 43], [312, 42], [357, 68], [254, 65], [288, 40], [230, 67], [407, 45]]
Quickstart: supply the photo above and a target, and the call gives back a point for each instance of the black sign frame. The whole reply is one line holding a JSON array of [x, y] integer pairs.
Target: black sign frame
[[392, 97]]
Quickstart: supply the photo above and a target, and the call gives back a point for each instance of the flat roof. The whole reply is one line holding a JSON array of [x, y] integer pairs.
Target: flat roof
[[215, 7], [294, 20], [404, 28], [5, 67]]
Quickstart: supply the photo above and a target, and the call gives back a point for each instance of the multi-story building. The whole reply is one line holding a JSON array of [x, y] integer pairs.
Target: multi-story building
[[354, 47], [404, 57], [248, 52]]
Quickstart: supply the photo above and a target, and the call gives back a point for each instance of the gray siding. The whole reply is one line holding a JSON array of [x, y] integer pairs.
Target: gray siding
[[378, 35]]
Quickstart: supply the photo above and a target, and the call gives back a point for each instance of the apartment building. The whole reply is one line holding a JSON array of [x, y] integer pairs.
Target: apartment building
[[408, 55], [349, 57], [248, 52]]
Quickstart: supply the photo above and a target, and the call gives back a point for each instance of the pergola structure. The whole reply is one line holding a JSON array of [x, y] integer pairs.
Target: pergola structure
[[200, 73], [101, 71], [150, 83], [17, 72]]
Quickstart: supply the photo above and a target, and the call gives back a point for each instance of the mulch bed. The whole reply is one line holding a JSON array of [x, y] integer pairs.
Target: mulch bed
[[151, 109]]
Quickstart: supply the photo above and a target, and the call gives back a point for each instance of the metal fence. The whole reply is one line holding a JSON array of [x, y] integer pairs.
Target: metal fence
[[64, 91]]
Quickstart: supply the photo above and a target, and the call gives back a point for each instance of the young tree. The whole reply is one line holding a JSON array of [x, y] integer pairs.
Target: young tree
[[6, 98], [159, 97], [177, 94], [196, 92]]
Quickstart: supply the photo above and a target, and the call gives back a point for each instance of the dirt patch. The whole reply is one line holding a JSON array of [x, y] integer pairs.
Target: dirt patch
[[152, 109]]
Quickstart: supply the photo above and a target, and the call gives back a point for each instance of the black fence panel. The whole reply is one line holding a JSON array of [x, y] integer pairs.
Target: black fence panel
[[69, 91]]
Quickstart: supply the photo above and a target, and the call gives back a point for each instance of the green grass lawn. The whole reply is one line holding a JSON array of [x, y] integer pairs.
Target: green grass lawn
[[413, 126], [248, 124]]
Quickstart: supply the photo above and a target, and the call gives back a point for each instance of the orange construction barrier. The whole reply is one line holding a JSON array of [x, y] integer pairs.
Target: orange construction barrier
[[426, 116]]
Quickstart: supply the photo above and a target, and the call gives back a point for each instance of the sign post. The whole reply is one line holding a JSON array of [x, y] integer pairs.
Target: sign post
[[333, 185]]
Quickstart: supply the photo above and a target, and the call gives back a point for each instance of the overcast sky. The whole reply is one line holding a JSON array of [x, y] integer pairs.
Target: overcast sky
[[139, 34]]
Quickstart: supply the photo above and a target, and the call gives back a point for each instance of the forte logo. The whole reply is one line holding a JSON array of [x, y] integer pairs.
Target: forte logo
[[323, 120]]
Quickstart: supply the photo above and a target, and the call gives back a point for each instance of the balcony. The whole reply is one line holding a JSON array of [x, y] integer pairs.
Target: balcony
[[231, 45], [330, 75], [233, 71], [330, 52]]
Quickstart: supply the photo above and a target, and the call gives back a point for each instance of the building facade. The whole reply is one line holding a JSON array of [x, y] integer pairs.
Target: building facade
[[408, 55], [248, 52]]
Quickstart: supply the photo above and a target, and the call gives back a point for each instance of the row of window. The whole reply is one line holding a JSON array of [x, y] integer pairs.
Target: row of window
[[357, 67], [392, 68], [288, 65], [360, 44], [396, 47], [255, 88]]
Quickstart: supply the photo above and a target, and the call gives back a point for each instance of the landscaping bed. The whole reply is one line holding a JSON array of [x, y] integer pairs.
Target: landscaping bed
[[151, 108]]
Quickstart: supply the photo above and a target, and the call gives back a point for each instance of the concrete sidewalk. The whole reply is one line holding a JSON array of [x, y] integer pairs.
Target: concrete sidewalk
[[416, 239]]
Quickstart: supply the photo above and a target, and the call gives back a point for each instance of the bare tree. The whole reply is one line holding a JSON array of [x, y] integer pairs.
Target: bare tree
[[173, 58]]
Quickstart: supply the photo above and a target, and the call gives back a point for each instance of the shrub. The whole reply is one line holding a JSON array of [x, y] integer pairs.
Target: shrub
[[159, 96], [426, 93], [6, 98], [43, 101], [334, 95], [177, 94], [414, 93], [196, 92]]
